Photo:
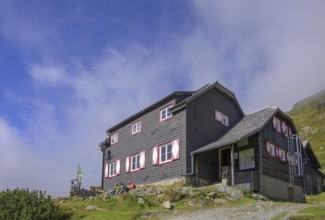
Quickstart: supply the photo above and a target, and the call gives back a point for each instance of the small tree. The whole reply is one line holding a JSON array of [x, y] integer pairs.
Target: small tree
[[25, 204]]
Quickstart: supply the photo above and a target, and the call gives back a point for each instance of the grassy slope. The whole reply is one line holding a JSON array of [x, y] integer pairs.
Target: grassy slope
[[310, 123]]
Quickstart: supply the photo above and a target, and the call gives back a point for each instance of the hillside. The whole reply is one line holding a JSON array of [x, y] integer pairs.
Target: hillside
[[309, 118]]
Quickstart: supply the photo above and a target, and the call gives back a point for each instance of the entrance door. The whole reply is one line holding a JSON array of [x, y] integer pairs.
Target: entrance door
[[225, 165]]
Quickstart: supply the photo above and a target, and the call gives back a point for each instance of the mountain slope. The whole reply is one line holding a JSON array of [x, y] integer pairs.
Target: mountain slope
[[309, 118]]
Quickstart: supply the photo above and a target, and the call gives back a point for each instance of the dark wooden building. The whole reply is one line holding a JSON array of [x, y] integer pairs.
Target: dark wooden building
[[203, 135], [314, 179]]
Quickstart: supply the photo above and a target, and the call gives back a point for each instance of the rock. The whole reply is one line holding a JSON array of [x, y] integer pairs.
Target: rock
[[220, 201], [140, 201], [90, 197], [62, 201], [194, 193], [166, 205], [90, 207], [105, 196], [212, 194], [196, 202]]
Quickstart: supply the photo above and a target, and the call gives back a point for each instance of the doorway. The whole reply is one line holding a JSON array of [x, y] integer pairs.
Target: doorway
[[225, 165]]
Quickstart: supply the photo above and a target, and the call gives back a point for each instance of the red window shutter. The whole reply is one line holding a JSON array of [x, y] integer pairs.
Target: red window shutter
[[155, 155], [274, 122], [283, 127], [218, 116], [278, 152], [142, 159], [127, 164], [118, 167], [290, 132], [278, 125], [287, 156], [107, 170], [175, 149]]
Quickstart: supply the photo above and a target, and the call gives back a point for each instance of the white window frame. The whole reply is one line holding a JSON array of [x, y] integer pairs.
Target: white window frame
[[224, 120], [165, 113], [163, 158], [136, 128], [112, 169], [135, 159], [114, 138]]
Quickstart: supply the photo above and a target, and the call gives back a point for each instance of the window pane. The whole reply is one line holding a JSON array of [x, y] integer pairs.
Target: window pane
[[169, 112], [139, 126], [169, 156], [163, 150], [163, 114]]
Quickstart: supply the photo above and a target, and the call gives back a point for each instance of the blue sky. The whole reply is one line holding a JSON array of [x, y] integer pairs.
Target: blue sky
[[71, 69]]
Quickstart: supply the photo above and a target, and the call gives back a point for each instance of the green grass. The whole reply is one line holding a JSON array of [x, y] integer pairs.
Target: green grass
[[310, 123], [316, 199], [314, 212], [127, 206], [121, 207]]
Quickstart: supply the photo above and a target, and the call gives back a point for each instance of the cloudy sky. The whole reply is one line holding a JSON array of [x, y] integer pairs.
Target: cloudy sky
[[69, 70]]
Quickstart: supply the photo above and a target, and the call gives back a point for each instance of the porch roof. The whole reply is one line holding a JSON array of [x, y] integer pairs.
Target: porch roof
[[249, 125]]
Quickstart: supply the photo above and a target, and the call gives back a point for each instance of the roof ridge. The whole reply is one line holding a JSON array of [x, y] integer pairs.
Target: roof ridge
[[267, 107]]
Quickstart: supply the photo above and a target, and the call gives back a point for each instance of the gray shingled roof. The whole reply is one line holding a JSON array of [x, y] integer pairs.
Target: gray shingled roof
[[203, 90], [248, 126]]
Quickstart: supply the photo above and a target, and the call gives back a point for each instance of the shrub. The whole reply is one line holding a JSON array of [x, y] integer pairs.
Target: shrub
[[29, 205]]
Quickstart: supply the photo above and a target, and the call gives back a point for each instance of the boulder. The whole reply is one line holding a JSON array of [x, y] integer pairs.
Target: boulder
[[166, 205], [196, 202], [220, 201], [90, 207]]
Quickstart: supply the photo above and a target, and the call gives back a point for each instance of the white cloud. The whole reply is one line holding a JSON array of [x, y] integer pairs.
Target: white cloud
[[267, 52], [47, 74]]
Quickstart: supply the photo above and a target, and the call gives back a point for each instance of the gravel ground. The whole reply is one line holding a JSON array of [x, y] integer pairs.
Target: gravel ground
[[259, 210]]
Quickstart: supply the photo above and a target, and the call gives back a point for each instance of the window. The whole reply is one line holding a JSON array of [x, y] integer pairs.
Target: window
[[136, 128], [135, 162], [222, 118], [165, 153], [114, 138], [281, 154], [165, 113], [270, 148], [246, 159], [112, 169]]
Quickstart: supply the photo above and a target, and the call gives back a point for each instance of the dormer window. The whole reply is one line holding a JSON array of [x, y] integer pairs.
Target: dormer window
[[136, 128], [114, 138], [166, 113]]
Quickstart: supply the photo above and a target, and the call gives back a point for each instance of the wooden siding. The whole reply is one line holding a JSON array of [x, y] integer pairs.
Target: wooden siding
[[202, 128], [153, 133], [314, 181], [248, 176], [273, 166]]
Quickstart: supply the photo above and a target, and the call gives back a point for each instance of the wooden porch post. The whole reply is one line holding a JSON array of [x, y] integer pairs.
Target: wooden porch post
[[232, 166]]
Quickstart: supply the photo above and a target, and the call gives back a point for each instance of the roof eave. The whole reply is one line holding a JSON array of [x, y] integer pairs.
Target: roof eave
[[149, 108]]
